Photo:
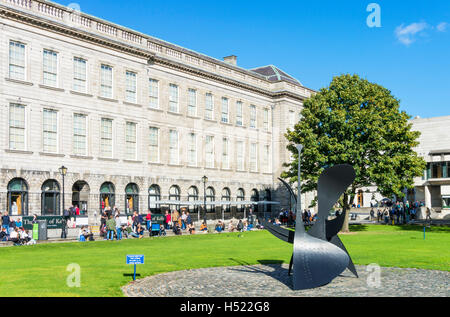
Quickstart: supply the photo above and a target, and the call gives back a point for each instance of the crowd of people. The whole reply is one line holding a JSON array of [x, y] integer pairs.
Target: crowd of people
[[14, 231], [399, 213]]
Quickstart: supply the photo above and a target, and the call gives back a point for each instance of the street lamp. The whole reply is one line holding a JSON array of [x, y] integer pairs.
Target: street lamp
[[63, 172], [204, 180]]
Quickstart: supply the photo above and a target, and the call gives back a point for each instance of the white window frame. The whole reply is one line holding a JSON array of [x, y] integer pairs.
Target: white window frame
[[209, 111], [16, 65], [173, 160], [150, 147], [174, 100], [225, 153], [266, 119], [102, 81], [102, 153], [76, 60], [86, 136], [239, 113], [225, 118], [131, 80], [209, 156], [45, 68], [44, 131], [192, 102], [128, 142], [253, 159], [15, 127], [153, 93], [190, 151], [253, 117]]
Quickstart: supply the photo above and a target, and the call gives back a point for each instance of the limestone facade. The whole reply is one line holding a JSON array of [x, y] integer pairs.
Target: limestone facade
[[80, 92]]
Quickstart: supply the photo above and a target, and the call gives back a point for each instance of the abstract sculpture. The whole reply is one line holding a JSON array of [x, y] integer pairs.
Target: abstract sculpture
[[319, 255]]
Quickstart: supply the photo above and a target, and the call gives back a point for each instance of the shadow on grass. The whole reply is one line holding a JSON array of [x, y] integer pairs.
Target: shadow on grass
[[419, 228], [358, 228], [272, 268]]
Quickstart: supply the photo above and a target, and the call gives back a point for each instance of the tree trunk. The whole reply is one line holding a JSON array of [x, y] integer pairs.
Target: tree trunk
[[346, 211]]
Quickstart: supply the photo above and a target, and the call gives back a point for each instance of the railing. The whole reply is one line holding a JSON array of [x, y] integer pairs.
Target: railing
[[21, 3], [50, 10]]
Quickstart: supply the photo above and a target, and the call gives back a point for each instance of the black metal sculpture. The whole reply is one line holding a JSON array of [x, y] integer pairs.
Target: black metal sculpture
[[319, 255]]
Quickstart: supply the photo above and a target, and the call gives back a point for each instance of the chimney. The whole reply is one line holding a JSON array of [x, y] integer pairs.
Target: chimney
[[232, 60]]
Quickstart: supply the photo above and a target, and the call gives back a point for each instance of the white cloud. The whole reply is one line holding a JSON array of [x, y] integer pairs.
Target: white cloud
[[407, 34], [442, 27]]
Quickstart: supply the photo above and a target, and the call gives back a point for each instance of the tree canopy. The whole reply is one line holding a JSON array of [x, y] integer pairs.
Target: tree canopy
[[359, 123]]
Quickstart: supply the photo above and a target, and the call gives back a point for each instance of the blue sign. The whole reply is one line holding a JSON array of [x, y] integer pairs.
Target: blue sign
[[135, 259]]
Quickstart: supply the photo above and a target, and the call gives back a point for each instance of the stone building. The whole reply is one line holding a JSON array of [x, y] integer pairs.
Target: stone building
[[134, 119]]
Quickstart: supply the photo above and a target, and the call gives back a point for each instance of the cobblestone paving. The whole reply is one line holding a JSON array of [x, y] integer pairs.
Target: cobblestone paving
[[273, 281]]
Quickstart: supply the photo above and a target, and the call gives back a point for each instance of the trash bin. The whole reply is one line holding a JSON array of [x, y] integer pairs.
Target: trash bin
[[42, 230], [35, 231]]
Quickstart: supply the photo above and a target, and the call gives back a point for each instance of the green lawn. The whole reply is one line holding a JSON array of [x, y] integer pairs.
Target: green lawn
[[41, 270]]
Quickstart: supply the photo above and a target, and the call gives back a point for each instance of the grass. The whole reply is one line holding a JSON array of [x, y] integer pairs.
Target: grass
[[41, 270]]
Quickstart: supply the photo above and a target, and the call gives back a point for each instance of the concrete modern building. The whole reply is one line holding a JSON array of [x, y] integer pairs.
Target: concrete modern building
[[134, 119], [433, 188]]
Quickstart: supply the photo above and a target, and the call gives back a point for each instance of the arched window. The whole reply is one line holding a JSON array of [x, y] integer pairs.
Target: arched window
[[226, 196], [210, 196], [131, 198], [50, 199], [80, 196], [254, 197], [174, 195], [240, 197], [154, 195], [267, 197], [193, 196], [107, 196], [18, 197]]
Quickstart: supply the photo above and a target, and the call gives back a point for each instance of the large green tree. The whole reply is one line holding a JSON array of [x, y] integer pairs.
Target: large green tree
[[359, 123]]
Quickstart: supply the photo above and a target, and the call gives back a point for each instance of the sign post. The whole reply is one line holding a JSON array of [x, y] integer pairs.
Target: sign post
[[135, 259]]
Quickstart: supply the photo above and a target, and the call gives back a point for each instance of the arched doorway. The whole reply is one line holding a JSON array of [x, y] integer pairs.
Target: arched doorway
[[255, 198], [360, 199], [154, 195], [193, 196], [174, 195], [80, 196], [226, 196], [18, 197], [50, 198], [107, 196], [210, 196], [240, 197], [132, 198]]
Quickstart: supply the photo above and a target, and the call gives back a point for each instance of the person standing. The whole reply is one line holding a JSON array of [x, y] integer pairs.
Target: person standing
[[118, 227], [5, 222], [148, 219], [168, 220], [111, 228]]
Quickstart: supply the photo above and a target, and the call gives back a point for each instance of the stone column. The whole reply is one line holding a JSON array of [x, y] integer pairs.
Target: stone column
[[427, 197]]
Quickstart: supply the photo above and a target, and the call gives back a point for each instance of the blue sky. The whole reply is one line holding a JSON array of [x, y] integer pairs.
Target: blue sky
[[312, 40]]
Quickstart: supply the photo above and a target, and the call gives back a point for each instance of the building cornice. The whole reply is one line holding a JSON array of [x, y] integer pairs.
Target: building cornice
[[34, 20]]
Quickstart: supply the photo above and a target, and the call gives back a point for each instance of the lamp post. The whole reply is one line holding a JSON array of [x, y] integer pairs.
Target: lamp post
[[63, 172], [204, 180]]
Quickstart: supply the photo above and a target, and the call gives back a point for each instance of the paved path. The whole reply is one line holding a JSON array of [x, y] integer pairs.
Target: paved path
[[272, 281]]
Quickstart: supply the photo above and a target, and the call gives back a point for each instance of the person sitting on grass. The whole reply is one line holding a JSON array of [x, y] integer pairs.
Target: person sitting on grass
[[177, 228], [219, 227], [162, 231], [4, 235], [204, 228], [14, 236], [191, 228], [240, 226], [24, 237], [139, 233], [231, 227]]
